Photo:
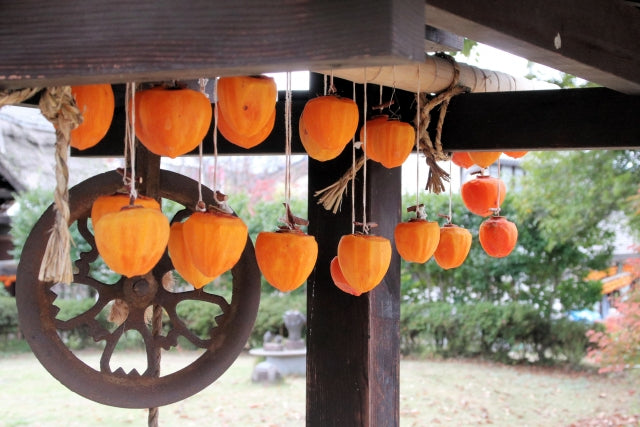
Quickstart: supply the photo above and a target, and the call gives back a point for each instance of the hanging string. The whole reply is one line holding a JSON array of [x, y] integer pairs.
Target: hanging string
[[496, 210], [365, 227], [130, 139], [450, 196], [287, 137], [215, 143], [417, 143], [353, 173], [203, 85]]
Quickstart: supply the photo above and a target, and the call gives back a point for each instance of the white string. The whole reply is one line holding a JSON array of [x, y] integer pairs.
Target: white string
[[130, 137], [287, 136], [353, 174], [203, 84], [417, 142], [215, 141], [450, 195], [324, 92], [365, 228]]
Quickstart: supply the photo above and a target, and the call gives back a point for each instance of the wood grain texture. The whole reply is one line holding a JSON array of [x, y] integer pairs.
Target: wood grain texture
[[353, 342], [598, 40], [79, 41]]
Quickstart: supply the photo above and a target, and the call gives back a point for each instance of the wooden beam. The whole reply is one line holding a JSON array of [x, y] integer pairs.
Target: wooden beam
[[77, 41], [570, 119], [598, 40], [353, 342], [437, 40]]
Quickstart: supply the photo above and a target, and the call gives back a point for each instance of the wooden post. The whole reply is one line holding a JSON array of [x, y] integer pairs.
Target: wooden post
[[353, 342]]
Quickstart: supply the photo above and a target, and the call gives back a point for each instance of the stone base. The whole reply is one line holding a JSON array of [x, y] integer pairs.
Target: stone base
[[265, 372]]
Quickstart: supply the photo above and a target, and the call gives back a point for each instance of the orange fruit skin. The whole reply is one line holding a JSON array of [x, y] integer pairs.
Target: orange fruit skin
[[246, 141], [329, 124], [498, 236], [180, 258], [417, 240], [338, 278], [96, 103], [364, 260], [132, 241], [462, 159], [114, 202], [388, 142], [247, 103], [286, 258], [214, 241], [454, 246], [484, 159], [480, 194], [171, 122], [314, 149], [515, 154]]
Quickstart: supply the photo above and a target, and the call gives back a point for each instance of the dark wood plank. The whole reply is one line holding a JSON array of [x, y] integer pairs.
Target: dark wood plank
[[437, 40], [353, 342], [571, 119], [598, 40], [79, 41]]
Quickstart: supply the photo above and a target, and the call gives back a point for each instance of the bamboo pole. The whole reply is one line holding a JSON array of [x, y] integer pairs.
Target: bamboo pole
[[436, 74]]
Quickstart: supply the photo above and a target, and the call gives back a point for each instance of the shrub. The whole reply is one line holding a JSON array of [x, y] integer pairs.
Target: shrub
[[8, 316]]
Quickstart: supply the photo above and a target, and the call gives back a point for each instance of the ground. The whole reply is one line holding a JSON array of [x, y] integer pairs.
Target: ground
[[446, 393]]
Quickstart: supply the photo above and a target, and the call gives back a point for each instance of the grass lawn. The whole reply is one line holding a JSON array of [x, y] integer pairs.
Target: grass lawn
[[448, 393]]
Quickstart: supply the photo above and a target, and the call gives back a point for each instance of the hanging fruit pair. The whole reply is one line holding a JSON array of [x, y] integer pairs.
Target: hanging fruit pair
[[214, 240], [483, 194], [453, 247], [388, 141], [339, 280], [113, 203], [171, 121], [417, 239], [364, 260], [246, 109], [96, 103], [498, 236], [326, 125], [132, 240], [286, 257], [181, 259], [462, 159]]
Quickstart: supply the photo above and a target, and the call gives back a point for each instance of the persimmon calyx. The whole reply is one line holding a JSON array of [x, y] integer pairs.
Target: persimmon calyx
[[290, 221]]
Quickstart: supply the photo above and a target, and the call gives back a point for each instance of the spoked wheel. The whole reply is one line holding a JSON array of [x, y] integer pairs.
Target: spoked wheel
[[112, 385]]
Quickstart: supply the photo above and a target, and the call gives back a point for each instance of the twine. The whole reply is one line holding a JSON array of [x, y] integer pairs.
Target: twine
[[433, 149], [330, 197], [59, 107], [11, 97]]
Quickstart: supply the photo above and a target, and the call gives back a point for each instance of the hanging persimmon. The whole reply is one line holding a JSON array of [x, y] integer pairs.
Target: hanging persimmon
[[417, 239], [515, 154], [314, 149], [96, 103], [114, 202], [132, 240], [339, 280], [181, 260], [247, 104], [330, 122], [482, 194], [484, 159], [214, 241], [498, 236], [388, 141], [286, 257], [453, 247], [171, 122], [246, 141], [462, 159], [364, 260]]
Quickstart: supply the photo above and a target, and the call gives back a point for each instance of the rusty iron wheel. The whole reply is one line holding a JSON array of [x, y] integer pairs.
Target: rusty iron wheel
[[37, 313]]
